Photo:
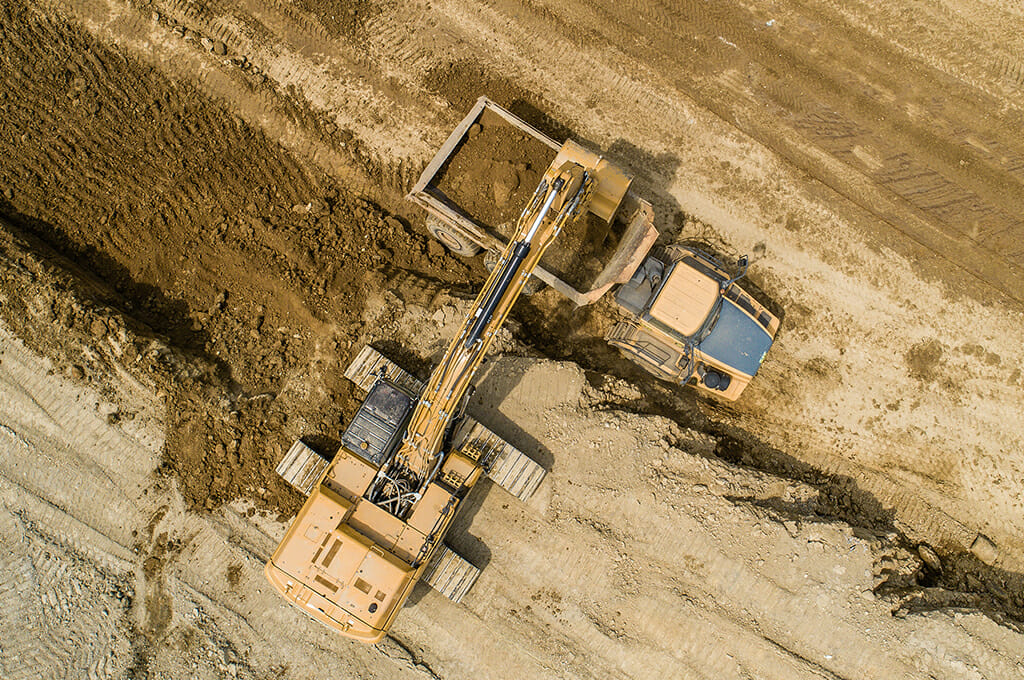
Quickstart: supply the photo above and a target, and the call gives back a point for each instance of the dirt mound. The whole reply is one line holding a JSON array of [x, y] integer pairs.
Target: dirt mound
[[342, 19], [491, 177], [462, 82]]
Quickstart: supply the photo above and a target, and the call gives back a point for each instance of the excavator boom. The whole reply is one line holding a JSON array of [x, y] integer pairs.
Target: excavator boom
[[559, 198]]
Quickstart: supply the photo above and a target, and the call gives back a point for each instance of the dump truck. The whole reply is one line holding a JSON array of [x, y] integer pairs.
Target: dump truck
[[684, 316], [377, 512]]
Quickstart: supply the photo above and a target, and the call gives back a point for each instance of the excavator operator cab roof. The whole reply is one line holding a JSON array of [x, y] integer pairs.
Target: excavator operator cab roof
[[378, 424]]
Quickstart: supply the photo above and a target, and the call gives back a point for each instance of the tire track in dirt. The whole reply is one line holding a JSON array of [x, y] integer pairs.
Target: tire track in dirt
[[674, 33], [148, 556]]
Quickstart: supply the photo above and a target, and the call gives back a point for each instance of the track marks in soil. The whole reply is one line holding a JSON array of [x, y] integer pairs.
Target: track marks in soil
[[211, 235]]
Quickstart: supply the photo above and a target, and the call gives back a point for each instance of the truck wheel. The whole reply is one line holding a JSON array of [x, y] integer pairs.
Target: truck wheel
[[451, 239], [533, 284]]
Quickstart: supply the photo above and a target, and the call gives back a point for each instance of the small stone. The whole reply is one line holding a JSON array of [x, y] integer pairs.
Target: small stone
[[474, 130], [9, 194], [318, 208], [929, 557], [98, 328], [984, 549], [76, 372], [219, 48]]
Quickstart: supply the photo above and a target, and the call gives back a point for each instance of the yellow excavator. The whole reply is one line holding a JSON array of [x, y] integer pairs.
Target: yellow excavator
[[376, 514]]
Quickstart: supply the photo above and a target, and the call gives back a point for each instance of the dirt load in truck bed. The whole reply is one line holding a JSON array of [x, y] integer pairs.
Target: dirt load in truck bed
[[491, 177]]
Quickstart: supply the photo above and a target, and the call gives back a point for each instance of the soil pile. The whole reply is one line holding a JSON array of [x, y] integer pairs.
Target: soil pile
[[491, 177]]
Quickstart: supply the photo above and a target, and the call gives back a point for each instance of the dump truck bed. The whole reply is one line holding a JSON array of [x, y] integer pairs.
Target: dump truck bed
[[480, 180]]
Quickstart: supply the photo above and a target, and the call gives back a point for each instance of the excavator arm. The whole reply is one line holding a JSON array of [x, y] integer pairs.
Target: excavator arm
[[563, 193]]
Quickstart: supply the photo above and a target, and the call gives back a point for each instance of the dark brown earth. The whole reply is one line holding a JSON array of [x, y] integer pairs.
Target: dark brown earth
[[232, 249], [491, 177]]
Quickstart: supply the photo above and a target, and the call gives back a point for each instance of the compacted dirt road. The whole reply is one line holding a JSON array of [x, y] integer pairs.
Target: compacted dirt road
[[202, 221]]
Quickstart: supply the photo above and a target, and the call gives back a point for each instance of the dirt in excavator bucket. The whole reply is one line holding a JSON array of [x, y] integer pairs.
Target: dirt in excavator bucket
[[490, 179]]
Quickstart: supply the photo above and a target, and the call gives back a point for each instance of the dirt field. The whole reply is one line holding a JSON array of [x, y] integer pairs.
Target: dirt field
[[202, 219]]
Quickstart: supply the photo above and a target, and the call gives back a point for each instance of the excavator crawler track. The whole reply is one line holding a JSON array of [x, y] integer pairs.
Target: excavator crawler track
[[302, 467], [367, 366], [450, 574], [507, 466]]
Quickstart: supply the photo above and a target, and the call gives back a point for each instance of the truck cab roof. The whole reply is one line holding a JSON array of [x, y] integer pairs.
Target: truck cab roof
[[685, 300]]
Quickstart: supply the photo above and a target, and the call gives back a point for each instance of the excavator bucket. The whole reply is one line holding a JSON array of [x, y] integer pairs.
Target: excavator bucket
[[610, 182]]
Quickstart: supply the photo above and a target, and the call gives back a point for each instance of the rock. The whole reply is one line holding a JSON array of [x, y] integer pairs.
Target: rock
[[76, 372], [984, 549], [434, 249], [318, 208], [929, 557], [506, 180], [219, 302], [9, 194], [474, 130], [98, 328], [219, 48]]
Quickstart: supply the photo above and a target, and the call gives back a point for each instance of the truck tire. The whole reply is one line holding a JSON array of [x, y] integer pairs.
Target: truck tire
[[456, 242]]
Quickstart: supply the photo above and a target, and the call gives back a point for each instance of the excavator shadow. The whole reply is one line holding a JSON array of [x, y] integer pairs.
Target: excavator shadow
[[461, 539], [494, 387]]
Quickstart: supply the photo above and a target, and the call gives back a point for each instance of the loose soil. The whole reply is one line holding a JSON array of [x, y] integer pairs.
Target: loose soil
[[490, 178]]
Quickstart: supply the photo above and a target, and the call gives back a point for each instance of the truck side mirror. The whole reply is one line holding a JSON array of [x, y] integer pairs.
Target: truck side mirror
[[741, 265]]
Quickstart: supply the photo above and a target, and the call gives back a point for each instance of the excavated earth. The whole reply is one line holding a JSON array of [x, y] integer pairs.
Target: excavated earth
[[202, 219]]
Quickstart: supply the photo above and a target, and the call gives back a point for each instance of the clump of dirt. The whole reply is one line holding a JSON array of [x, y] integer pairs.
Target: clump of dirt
[[924, 360], [239, 273], [491, 177]]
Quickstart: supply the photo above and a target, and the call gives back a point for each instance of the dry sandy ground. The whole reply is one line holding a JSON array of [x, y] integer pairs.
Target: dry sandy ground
[[203, 220]]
